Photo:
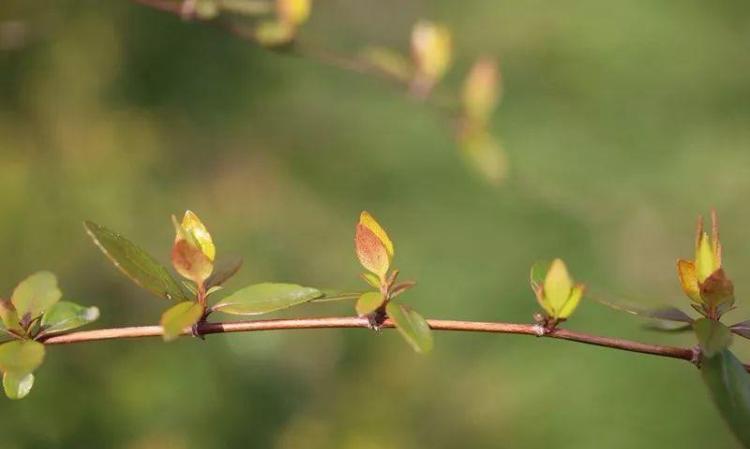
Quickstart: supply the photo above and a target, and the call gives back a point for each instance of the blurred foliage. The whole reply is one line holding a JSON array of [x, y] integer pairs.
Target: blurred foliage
[[620, 121]]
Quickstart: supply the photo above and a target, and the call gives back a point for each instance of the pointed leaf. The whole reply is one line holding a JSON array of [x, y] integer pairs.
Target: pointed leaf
[[225, 269], [35, 294], [135, 263], [411, 326], [729, 385], [741, 329], [266, 297], [368, 303], [179, 317], [21, 356], [9, 316], [65, 315], [17, 386], [712, 335]]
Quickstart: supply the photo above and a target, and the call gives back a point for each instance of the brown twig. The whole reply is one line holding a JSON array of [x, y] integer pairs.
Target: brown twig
[[674, 352]]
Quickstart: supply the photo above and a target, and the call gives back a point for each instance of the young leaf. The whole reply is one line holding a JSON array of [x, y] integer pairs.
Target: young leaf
[[368, 303], [35, 294], [412, 327], [371, 251], [135, 263], [266, 297], [225, 269], [17, 386], [9, 316], [191, 262], [667, 313], [65, 315], [729, 385], [180, 316], [713, 336], [21, 356]]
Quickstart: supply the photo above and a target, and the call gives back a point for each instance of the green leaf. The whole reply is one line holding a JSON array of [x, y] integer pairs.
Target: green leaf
[[223, 271], [713, 336], [135, 263], [266, 297], [66, 315], [35, 294], [21, 356], [180, 316], [412, 327], [368, 303], [729, 385], [17, 386]]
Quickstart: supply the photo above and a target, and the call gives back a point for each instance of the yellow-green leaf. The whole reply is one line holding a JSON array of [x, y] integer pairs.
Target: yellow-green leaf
[[179, 317], [706, 261], [411, 326], [21, 356], [135, 263], [368, 303], [17, 386], [576, 293], [372, 280], [265, 298], [65, 315], [557, 286], [9, 316], [431, 46], [199, 236], [35, 294]]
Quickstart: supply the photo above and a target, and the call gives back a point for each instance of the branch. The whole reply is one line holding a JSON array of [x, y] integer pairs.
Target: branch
[[354, 322]]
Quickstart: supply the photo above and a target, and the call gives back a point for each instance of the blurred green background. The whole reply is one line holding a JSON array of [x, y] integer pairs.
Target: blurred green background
[[621, 120]]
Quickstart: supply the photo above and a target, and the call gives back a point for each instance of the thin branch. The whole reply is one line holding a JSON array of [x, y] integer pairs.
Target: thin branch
[[354, 322]]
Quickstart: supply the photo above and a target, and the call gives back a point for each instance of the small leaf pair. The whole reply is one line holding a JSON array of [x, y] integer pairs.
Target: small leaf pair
[[703, 280], [34, 311], [375, 252], [555, 291], [193, 257]]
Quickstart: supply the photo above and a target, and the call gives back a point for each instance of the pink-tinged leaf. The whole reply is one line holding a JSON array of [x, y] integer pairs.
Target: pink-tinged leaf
[[718, 290], [190, 262], [368, 221], [371, 251]]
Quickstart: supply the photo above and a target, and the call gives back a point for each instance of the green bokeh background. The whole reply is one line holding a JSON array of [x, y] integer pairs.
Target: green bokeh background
[[621, 121]]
